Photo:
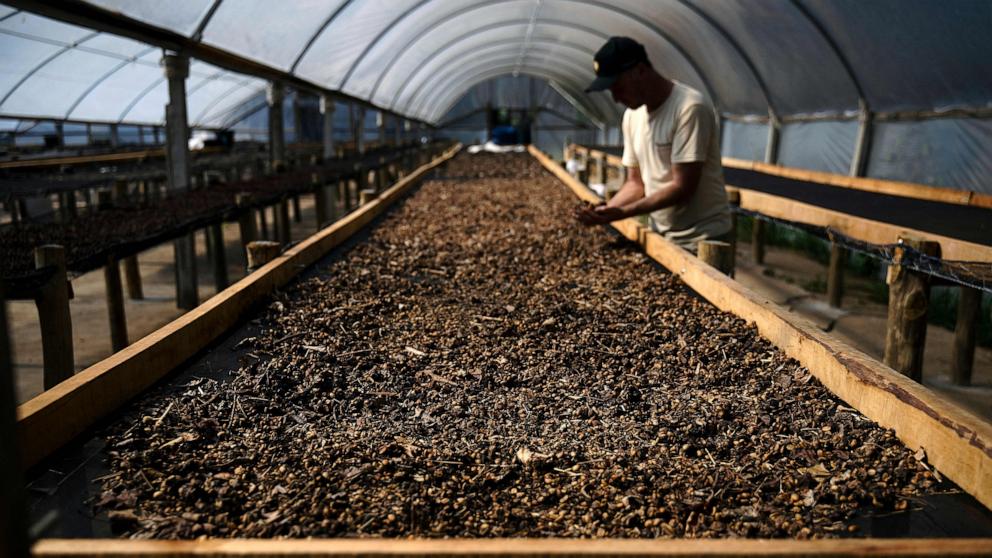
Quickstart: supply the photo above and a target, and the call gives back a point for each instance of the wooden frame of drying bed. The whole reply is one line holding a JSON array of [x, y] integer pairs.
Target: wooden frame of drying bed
[[109, 384]]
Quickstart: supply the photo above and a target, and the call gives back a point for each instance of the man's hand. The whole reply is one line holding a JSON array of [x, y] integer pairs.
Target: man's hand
[[600, 214]]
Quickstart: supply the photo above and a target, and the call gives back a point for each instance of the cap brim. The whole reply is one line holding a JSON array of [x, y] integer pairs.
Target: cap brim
[[601, 83]]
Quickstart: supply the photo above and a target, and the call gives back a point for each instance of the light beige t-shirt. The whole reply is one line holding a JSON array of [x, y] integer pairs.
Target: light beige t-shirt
[[682, 130]]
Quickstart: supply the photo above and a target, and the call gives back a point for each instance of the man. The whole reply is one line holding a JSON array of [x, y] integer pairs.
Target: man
[[670, 148]]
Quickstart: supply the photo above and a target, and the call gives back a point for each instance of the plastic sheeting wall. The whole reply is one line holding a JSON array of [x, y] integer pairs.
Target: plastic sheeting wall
[[824, 146], [744, 140], [949, 152]]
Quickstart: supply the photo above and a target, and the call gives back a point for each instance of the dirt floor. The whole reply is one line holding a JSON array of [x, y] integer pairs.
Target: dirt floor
[[90, 324], [861, 321]]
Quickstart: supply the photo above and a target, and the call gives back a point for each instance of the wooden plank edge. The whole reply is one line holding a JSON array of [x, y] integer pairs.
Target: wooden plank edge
[[58, 415], [510, 548], [876, 185], [876, 232], [957, 442]]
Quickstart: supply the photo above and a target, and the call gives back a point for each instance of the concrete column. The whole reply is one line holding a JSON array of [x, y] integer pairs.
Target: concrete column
[[277, 139], [327, 109], [176, 124]]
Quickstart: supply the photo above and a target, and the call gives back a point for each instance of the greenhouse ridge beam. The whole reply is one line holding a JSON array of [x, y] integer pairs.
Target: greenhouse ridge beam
[[80, 13]]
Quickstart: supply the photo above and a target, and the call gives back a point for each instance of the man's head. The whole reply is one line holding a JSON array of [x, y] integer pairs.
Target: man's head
[[621, 65]]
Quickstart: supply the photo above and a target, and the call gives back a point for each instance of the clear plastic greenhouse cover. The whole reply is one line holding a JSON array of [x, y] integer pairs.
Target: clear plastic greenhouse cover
[[783, 60]]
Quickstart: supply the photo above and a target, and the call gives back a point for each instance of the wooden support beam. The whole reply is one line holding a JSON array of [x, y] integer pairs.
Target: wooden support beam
[[263, 223], [261, 252], [320, 203], [734, 200], [115, 304], [53, 418], [281, 224], [909, 299], [957, 443], [13, 511], [511, 548], [717, 254], [969, 305], [297, 212], [132, 276], [52, 301], [758, 241], [218, 256], [835, 274], [246, 222], [875, 232], [184, 249]]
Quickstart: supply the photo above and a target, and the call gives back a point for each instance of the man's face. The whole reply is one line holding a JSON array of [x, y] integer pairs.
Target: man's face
[[625, 90]]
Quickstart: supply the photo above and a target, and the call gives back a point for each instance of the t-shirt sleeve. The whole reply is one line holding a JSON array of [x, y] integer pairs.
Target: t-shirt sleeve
[[629, 158], [693, 131]]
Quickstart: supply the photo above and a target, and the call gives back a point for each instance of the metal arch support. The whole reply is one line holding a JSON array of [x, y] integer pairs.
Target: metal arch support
[[506, 70], [417, 101], [200, 27], [218, 98], [140, 96], [771, 149], [416, 92], [862, 147], [423, 64], [317, 33], [500, 66], [44, 63], [603, 5], [104, 78], [372, 44]]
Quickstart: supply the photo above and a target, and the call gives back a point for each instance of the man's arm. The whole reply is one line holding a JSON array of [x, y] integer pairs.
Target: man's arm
[[685, 181], [631, 190]]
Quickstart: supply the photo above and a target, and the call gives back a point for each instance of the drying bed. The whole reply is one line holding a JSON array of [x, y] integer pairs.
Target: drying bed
[[481, 366]]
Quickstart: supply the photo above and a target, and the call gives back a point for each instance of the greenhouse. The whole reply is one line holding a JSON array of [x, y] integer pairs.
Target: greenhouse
[[506, 277]]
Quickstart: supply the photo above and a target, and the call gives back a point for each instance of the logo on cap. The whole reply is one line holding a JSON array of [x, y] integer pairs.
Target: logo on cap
[[595, 66]]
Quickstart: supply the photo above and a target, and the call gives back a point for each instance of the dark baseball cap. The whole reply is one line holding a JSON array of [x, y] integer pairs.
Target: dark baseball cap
[[615, 57]]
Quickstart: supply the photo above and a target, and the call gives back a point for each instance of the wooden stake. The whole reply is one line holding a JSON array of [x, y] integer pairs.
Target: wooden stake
[[263, 225], [132, 276], [281, 224], [758, 241], [185, 256], [734, 201], [835, 274], [115, 304], [297, 213], [53, 312], [367, 195], [218, 257], [261, 252], [969, 304], [13, 512], [718, 254], [909, 298]]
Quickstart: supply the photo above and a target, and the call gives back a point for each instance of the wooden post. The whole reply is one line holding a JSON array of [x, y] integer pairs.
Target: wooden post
[[115, 304], [215, 239], [320, 203], [104, 200], [835, 274], [718, 254], [185, 255], [969, 305], [13, 512], [366, 196], [132, 276], [297, 213], [909, 298], [734, 201], [261, 252], [263, 224], [119, 192], [53, 313], [246, 221], [281, 225], [758, 241], [600, 176]]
